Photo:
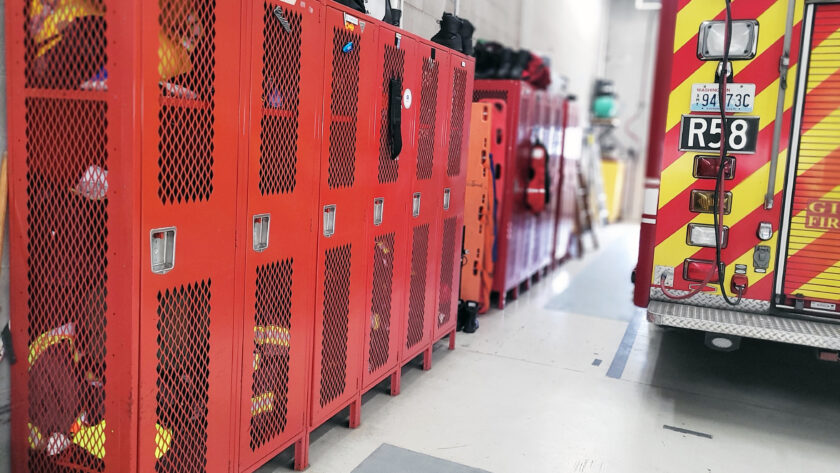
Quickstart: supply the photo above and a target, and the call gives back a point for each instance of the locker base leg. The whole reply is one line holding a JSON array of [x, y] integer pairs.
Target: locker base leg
[[396, 379], [427, 359], [452, 340], [501, 303], [514, 293], [527, 284], [302, 453], [356, 412]]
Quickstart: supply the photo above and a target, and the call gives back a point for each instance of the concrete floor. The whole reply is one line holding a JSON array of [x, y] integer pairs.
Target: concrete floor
[[545, 386]]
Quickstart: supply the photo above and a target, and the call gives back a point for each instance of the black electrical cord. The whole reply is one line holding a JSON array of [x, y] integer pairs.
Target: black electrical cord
[[720, 196]]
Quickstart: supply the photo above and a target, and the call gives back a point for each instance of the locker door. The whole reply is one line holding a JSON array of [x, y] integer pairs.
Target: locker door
[[348, 164], [424, 225], [390, 203], [284, 167], [190, 109], [72, 236], [457, 141], [811, 270]]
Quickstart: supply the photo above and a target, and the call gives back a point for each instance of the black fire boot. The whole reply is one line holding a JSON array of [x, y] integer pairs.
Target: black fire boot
[[467, 30], [450, 32], [470, 310], [505, 64]]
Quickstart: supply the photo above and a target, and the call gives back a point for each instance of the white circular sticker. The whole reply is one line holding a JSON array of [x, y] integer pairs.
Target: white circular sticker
[[407, 97]]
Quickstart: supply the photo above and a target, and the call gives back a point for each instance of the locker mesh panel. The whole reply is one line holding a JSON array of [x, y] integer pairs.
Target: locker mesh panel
[[479, 95], [183, 354], [272, 340], [428, 119], [281, 101], [186, 65], [65, 47], [380, 317], [447, 266], [456, 123], [417, 287], [344, 105], [394, 68], [67, 270], [336, 323]]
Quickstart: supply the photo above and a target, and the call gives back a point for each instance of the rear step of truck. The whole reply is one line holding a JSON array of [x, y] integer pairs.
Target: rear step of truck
[[743, 324]]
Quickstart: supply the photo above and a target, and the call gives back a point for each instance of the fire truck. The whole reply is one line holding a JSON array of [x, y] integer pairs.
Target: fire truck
[[740, 234]]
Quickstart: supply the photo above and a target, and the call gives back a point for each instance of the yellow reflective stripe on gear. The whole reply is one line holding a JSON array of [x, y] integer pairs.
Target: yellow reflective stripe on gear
[[271, 335], [256, 361], [35, 438], [262, 404], [92, 439], [163, 440], [65, 333], [52, 23]]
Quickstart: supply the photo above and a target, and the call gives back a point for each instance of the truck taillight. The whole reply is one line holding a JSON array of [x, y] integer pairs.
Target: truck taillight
[[706, 167], [704, 235], [698, 270], [704, 202]]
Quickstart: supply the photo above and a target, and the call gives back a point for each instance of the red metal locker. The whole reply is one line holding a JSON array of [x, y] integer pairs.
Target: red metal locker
[[74, 237], [512, 244], [461, 79], [280, 226], [390, 202], [190, 112], [349, 118], [431, 101]]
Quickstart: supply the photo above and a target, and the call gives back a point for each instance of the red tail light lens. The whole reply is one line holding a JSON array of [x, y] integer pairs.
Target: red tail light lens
[[706, 167], [698, 270]]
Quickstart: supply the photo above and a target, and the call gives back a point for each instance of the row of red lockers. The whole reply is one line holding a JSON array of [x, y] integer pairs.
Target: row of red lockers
[[528, 238], [213, 246]]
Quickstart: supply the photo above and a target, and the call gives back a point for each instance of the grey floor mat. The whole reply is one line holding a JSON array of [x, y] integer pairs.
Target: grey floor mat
[[603, 287], [390, 459]]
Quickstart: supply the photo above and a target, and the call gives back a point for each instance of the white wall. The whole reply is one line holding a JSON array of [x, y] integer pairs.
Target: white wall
[[630, 61], [573, 34], [497, 20]]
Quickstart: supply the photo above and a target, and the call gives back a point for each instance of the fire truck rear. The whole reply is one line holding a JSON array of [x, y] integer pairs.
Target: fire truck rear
[[740, 233]]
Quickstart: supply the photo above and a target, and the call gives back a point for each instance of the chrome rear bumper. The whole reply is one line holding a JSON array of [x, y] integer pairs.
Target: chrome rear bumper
[[743, 324]]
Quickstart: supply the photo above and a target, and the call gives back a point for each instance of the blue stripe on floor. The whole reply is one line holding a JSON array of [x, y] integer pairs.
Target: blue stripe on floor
[[619, 361]]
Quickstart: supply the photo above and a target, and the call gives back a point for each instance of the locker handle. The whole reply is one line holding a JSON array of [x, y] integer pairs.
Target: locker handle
[[395, 117], [329, 220], [447, 195], [262, 228], [162, 249], [378, 210], [415, 205]]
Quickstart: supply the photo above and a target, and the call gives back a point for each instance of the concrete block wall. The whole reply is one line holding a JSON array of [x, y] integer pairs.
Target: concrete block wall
[[497, 20]]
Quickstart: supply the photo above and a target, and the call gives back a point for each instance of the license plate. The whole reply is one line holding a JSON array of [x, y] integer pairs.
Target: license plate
[[740, 98], [702, 133]]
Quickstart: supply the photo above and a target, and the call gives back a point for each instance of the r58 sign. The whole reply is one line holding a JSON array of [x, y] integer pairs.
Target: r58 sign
[[702, 133]]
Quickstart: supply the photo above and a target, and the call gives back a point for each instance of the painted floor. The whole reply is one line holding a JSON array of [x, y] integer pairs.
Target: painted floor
[[571, 378]]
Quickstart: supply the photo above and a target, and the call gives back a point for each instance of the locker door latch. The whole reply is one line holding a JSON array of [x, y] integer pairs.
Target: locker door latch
[[329, 220], [446, 196], [415, 205], [378, 210], [262, 226], [162, 245]]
